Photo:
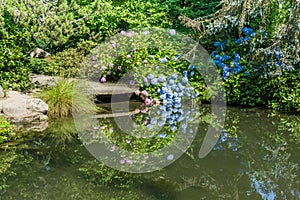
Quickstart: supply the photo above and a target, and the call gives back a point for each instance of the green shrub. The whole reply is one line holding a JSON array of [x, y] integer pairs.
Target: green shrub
[[65, 63], [13, 71], [6, 131]]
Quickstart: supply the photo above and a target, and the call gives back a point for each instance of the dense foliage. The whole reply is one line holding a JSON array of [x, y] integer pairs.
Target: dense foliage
[[6, 131], [268, 54]]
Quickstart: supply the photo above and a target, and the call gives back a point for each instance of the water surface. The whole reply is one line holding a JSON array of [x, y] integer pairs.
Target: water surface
[[257, 157]]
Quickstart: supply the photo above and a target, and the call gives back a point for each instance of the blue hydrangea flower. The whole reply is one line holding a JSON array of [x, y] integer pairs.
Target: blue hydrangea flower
[[185, 73], [185, 80], [171, 82], [160, 123], [164, 89], [163, 60], [170, 157], [226, 57], [150, 126], [150, 76], [154, 81], [162, 135], [174, 76], [223, 45], [216, 62], [236, 64], [161, 79], [173, 128], [218, 57], [177, 57], [247, 31], [239, 41], [223, 65], [247, 38], [183, 125], [217, 44], [278, 55], [153, 121], [277, 64], [237, 57], [238, 69], [180, 111], [214, 53]]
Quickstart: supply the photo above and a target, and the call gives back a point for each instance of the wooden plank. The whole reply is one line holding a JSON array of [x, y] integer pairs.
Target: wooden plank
[[95, 87], [109, 88], [112, 115]]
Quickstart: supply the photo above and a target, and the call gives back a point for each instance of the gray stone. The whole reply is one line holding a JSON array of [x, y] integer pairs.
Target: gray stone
[[1, 92], [44, 80], [38, 126], [23, 109], [43, 117], [14, 109], [39, 53], [36, 105]]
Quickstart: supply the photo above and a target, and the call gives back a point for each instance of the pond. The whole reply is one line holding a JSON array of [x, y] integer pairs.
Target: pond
[[256, 157]]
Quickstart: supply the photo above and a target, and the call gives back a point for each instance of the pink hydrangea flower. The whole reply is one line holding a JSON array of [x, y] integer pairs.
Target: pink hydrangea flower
[[128, 161], [111, 65], [137, 92], [146, 32], [113, 44], [130, 34], [123, 33], [156, 102], [144, 110], [128, 56], [111, 130], [119, 67], [147, 102], [136, 111], [145, 80], [108, 73], [128, 141], [122, 161], [145, 61], [143, 97], [144, 93], [103, 80], [145, 122], [113, 148]]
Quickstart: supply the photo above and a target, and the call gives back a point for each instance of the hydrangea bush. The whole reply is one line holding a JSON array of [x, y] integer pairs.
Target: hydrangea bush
[[265, 35]]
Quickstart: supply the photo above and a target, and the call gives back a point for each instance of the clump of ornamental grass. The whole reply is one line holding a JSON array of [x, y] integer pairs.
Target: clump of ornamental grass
[[61, 102]]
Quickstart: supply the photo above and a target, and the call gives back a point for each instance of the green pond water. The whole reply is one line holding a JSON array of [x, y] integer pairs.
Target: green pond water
[[258, 158]]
